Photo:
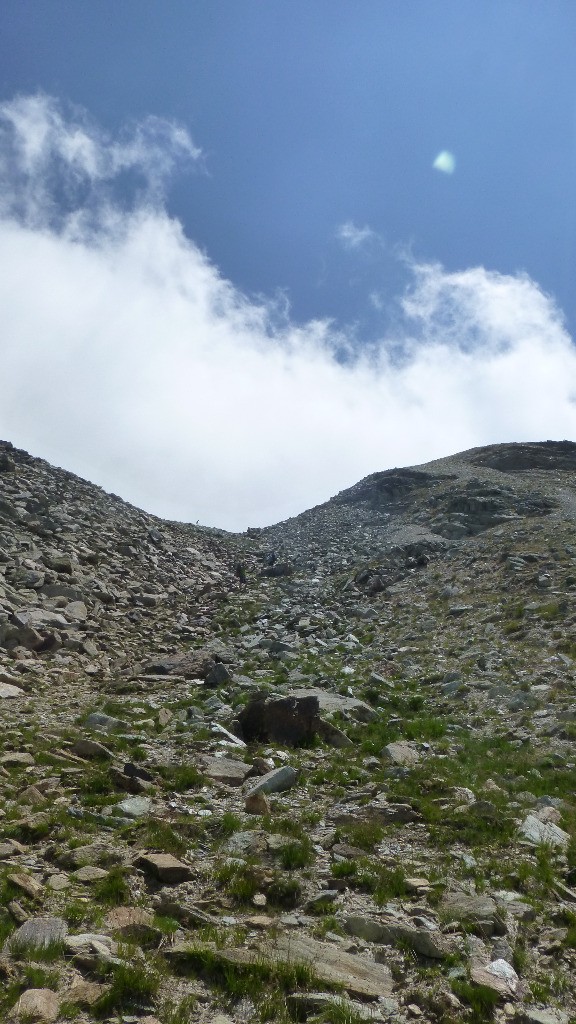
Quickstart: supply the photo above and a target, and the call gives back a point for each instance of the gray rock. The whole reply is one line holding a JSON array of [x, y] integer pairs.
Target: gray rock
[[8, 690], [223, 769], [276, 781], [133, 807], [535, 1015], [38, 933], [107, 723], [538, 832], [479, 912], [427, 942], [401, 753]]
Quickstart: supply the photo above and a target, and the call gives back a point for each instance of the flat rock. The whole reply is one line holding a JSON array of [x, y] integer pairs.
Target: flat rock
[[88, 874], [356, 974], [535, 1015], [226, 770], [165, 867], [427, 942], [16, 759], [331, 703], [87, 940]]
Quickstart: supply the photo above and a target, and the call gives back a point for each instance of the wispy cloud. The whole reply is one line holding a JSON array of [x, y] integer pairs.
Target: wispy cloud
[[353, 237], [128, 358]]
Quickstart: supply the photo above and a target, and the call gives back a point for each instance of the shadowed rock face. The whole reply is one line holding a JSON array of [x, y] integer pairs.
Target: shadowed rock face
[[390, 488], [514, 458]]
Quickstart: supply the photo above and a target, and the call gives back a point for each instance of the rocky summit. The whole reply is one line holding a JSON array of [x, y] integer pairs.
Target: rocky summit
[[323, 771]]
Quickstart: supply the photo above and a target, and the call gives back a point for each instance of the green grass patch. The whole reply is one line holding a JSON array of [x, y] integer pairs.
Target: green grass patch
[[480, 999]]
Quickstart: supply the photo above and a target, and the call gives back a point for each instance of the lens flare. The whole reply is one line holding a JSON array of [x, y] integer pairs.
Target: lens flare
[[445, 162]]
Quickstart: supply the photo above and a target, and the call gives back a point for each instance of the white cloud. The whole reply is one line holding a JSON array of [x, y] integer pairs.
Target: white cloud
[[353, 237], [126, 356]]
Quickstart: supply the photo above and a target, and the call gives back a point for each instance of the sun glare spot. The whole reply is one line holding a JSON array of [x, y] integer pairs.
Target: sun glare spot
[[445, 162]]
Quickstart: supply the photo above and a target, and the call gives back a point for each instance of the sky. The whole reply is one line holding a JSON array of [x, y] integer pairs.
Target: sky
[[252, 251]]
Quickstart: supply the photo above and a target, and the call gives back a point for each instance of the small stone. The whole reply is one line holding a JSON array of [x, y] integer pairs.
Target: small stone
[[401, 753], [88, 875], [256, 803], [133, 807]]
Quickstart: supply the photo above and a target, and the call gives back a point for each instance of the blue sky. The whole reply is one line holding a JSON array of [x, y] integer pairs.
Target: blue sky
[[295, 143]]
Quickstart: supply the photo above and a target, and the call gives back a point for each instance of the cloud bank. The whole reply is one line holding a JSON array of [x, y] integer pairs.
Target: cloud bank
[[126, 357]]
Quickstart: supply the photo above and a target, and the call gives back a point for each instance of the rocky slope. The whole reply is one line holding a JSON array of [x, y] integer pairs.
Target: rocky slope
[[323, 771]]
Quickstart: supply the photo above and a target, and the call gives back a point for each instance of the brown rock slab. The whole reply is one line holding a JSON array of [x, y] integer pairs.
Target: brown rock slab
[[257, 803], [86, 993], [133, 923], [26, 883], [165, 867], [37, 1005]]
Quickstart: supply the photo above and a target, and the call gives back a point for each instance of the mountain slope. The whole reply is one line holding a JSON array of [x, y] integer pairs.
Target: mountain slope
[[353, 732]]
